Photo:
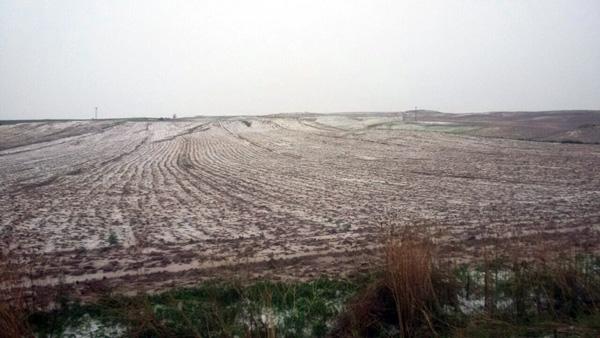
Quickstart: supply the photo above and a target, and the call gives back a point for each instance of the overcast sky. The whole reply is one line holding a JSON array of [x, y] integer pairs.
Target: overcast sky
[[59, 59]]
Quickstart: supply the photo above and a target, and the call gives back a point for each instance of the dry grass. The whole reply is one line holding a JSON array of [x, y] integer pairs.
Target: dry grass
[[14, 305], [412, 294], [139, 313], [405, 300], [408, 275]]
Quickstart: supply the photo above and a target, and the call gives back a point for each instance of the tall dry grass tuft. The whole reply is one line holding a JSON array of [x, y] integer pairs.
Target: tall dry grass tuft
[[565, 288], [407, 298], [14, 306], [408, 274]]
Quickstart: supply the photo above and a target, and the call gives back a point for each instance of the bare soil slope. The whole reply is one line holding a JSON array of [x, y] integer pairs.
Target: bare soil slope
[[556, 126], [295, 196]]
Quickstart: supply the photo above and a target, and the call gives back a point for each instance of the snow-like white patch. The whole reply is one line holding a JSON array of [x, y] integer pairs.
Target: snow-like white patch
[[89, 327]]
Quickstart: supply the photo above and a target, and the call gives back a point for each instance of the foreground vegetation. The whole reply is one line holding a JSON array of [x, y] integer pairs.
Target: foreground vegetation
[[411, 294]]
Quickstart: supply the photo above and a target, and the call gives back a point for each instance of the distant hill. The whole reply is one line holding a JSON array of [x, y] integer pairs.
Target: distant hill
[[569, 126]]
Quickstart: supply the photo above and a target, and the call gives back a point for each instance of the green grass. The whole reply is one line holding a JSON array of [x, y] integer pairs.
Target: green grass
[[528, 300], [215, 308]]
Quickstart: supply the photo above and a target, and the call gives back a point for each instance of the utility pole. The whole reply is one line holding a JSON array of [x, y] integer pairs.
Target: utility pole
[[95, 113]]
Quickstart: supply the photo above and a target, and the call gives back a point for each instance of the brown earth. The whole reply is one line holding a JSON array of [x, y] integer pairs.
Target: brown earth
[[286, 196]]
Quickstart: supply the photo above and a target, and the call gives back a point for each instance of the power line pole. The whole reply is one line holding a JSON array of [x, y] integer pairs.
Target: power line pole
[[95, 113]]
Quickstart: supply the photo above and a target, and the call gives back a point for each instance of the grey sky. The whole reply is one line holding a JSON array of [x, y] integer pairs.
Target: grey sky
[[59, 59]]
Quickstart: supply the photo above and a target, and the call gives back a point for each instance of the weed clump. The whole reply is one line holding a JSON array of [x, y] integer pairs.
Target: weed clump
[[112, 239], [408, 299]]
